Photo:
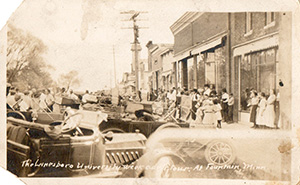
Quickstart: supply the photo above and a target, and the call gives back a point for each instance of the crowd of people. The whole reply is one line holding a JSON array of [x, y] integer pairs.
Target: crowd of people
[[263, 112], [43, 99], [210, 107], [207, 106]]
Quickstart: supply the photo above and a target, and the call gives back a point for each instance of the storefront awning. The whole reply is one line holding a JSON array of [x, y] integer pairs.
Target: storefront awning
[[194, 50], [261, 44], [182, 55], [166, 73], [206, 46]]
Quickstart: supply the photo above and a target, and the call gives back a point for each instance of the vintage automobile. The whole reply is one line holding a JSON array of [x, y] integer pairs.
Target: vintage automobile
[[72, 147], [43, 116], [139, 116], [175, 145], [216, 153]]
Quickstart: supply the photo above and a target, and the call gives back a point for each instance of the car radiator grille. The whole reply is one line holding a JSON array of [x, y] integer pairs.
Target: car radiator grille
[[122, 157]]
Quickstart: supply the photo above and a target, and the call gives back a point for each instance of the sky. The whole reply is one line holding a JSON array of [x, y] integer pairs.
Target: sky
[[81, 34]]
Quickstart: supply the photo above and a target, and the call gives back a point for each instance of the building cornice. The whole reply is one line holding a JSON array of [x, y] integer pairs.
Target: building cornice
[[219, 35], [184, 21], [166, 51]]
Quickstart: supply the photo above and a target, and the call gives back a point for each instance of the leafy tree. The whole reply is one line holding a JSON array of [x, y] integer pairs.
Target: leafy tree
[[25, 63], [69, 80]]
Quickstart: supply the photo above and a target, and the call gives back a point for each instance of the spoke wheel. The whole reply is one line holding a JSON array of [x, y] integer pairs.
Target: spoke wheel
[[220, 153]]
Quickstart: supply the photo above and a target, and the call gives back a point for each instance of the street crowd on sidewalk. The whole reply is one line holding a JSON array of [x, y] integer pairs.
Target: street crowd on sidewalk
[[211, 108], [207, 106], [264, 110]]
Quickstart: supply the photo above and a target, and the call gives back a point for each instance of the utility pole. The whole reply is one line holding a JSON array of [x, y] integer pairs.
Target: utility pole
[[136, 48], [115, 73]]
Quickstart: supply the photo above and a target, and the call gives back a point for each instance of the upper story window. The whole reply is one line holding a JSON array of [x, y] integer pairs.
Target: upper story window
[[155, 62], [269, 19], [248, 23]]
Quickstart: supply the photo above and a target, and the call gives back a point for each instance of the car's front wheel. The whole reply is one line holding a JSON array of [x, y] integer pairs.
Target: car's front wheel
[[220, 153]]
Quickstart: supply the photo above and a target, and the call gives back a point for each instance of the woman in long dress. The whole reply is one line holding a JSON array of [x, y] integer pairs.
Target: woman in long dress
[[260, 117], [270, 111]]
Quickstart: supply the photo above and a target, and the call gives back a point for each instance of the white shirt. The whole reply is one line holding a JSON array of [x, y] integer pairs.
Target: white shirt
[[173, 96], [230, 101], [85, 98], [49, 99], [207, 92], [73, 96], [10, 100], [225, 97], [42, 102], [25, 103], [195, 97]]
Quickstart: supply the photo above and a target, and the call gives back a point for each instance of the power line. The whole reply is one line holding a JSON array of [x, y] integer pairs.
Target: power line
[[136, 49]]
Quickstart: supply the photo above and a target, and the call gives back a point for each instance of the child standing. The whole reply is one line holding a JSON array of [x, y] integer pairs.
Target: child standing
[[217, 111], [207, 108]]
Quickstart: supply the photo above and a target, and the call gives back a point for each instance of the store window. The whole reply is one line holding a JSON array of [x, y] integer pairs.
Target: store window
[[269, 18], [258, 72], [221, 71], [200, 71], [191, 77], [248, 22], [210, 68]]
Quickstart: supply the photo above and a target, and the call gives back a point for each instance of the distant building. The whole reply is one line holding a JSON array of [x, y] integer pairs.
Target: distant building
[[160, 57], [127, 85]]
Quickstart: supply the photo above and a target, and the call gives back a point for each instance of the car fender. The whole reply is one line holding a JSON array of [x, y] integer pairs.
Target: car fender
[[16, 114]]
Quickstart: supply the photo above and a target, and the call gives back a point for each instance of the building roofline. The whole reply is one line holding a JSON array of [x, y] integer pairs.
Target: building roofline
[[184, 20]]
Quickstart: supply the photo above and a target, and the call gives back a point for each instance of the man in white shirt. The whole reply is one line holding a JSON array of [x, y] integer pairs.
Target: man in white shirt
[[10, 99], [85, 97], [73, 96], [49, 99], [225, 98], [173, 95], [42, 102], [26, 102], [207, 90]]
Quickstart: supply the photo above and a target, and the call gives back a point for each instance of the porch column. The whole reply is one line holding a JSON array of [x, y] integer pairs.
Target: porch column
[[195, 72]]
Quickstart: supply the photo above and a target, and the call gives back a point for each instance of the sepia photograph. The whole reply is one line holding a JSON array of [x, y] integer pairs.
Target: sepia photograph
[[147, 92]]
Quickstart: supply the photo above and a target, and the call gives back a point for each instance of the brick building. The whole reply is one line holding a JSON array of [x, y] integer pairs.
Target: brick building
[[258, 61], [201, 50], [236, 51]]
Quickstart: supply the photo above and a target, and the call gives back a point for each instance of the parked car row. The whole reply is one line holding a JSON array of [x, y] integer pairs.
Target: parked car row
[[92, 143]]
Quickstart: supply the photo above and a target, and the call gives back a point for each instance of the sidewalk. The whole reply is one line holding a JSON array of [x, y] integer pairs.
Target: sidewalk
[[236, 126]]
